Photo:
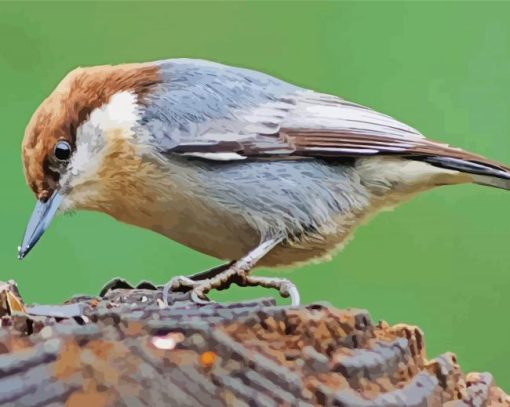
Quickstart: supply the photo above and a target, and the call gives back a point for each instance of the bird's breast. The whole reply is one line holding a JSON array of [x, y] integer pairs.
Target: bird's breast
[[226, 210], [154, 196]]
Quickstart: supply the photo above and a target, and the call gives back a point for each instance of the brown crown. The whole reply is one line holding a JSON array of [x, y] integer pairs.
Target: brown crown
[[70, 104]]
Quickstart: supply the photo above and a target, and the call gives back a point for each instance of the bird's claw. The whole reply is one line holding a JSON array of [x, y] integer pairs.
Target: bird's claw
[[198, 297], [179, 283], [199, 289], [288, 289], [285, 287]]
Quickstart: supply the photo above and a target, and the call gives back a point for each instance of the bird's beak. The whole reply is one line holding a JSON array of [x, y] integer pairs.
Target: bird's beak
[[39, 222]]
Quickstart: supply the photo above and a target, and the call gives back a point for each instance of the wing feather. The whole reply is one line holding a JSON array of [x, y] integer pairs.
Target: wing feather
[[221, 113], [336, 128]]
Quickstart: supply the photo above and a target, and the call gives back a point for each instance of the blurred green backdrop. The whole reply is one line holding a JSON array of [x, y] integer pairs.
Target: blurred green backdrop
[[440, 261]]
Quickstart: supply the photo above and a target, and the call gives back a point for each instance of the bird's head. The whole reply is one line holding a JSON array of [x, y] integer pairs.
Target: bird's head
[[78, 128]]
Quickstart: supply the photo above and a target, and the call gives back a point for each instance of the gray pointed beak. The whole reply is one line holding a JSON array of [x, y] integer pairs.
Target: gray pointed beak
[[39, 222]]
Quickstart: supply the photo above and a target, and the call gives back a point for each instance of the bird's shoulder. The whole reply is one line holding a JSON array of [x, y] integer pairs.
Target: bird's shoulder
[[202, 108]]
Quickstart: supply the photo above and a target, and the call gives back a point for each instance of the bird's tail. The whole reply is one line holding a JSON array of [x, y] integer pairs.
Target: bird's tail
[[482, 171]]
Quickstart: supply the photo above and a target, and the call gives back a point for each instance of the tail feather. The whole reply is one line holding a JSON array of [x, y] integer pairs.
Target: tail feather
[[492, 181], [483, 173]]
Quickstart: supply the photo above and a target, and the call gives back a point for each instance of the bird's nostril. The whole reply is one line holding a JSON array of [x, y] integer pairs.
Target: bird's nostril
[[43, 195]]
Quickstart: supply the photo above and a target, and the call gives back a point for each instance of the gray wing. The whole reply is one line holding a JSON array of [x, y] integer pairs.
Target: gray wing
[[219, 112]]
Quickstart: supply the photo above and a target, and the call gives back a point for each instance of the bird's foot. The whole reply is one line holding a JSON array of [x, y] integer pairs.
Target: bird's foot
[[199, 288], [222, 281], [285, 287], [236, 272], [179, 284]]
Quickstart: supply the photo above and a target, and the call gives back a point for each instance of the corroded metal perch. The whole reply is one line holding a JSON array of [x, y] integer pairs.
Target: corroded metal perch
[[128, 348]]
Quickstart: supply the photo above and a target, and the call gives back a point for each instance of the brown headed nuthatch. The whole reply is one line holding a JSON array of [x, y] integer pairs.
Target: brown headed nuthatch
[[228, 161]]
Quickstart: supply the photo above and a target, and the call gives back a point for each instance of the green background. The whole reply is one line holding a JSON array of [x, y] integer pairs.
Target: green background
[[440, 261]]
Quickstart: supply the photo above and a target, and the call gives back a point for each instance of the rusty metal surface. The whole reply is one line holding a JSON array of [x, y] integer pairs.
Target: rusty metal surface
[[129, 349]]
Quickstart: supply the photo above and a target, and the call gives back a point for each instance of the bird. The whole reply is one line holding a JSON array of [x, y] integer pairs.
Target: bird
[[231, 162]]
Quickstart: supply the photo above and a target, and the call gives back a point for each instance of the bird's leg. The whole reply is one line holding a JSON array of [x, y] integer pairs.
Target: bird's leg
[[212, 272], [236, 273], [223, 276]]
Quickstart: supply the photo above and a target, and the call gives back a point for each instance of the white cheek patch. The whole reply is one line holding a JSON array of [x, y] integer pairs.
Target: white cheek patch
[[120, 112], [81, 158], [121, 115]]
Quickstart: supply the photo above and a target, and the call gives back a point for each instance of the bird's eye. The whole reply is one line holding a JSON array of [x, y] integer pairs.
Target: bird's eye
[[62, 150]]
